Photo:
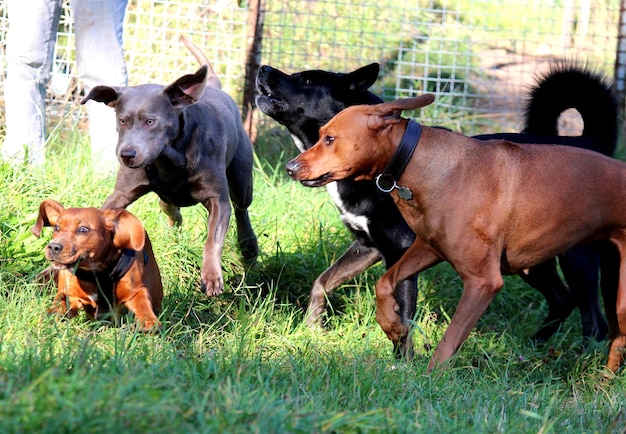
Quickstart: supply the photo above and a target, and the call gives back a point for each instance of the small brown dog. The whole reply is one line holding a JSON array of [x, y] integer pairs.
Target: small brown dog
[[102, 259], [488, 208]]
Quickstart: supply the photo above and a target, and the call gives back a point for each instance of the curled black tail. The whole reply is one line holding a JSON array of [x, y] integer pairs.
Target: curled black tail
[[566, 86]]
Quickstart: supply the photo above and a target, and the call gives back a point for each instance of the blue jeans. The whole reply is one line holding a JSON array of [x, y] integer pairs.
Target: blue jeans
[[33, 24]]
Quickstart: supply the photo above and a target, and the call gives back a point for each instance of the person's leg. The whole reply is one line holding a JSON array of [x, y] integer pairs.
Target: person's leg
[[30, 46], [100, 59]]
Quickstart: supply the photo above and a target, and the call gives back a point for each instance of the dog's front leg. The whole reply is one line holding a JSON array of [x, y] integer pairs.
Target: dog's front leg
[[219, 216], [358, 258], [418, 257], [137, 300], [478, 290], [130, 185]]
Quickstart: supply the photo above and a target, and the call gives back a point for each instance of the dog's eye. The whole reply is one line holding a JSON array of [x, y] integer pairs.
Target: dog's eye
[[122, 122], [57, 228], [82, 230], [149, 122], [328, 140], [308, 81]]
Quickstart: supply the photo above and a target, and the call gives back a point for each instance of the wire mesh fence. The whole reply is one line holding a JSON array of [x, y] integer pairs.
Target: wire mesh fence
[[477, 56]]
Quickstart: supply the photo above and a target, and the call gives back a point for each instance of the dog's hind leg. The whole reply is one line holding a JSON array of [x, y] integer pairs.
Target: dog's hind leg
[[581, 268], [358, 258], [406, 297], [239, 175], [174, 217], [613, 284], [561, 301]]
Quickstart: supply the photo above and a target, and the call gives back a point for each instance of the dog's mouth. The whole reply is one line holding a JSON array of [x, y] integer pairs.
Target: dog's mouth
[[65, 260], [70, 265], [268, 98], [318, 182]]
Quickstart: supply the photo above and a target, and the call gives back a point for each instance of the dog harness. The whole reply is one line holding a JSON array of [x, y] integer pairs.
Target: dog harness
[[386, 181]]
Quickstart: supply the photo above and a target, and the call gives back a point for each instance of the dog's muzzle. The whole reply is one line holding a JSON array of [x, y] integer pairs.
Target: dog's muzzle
[[54, 253], [128, 157]]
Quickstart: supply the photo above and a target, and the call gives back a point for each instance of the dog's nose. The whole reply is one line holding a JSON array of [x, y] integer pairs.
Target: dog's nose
[[55, 248], [263, 70], [292, 168], [128, 156]]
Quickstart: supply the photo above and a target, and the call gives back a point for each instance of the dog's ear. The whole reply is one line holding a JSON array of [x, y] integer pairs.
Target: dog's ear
[[406, 103], [361, 79], [378, 121], [128, 232], [104, 94], [49, 212], [388, 113], [187, 89]]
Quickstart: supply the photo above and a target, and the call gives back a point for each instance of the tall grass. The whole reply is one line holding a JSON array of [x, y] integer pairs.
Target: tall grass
[[243, 362]]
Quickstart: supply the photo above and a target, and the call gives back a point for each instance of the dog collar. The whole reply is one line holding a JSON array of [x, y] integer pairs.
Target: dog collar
[[124, 264], [386, 181], [113, 274]]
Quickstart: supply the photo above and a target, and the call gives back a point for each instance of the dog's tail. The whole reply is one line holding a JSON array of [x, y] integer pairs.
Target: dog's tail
[[212, 78], [566, 86]]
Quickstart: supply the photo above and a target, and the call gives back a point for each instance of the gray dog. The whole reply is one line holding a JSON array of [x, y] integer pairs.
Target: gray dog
[[186, 143]]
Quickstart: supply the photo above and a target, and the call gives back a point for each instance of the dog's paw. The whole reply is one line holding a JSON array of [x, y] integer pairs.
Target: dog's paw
[[149, 326], [213, 287], [249, 250], [403, 349], [389, 320]]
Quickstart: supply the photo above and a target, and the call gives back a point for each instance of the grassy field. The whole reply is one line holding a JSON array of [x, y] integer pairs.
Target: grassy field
[[243, 362]]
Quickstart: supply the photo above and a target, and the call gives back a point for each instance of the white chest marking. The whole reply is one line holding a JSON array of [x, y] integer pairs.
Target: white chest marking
[[353, 221], [298, 143]]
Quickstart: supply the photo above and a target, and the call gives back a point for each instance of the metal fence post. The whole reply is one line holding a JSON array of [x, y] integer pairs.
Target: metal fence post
[[620, 60], [253, 59]]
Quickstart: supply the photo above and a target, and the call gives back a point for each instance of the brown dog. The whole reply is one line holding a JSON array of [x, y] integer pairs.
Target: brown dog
[[488, 208], [103, 259]]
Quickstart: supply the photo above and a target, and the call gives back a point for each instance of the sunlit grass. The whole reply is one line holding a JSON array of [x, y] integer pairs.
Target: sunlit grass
[[244, 362]]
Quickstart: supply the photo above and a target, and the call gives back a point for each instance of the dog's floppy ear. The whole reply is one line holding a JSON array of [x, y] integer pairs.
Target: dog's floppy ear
[[187, 89], [104, 94], [388, 113], [49, 212], [128, 232]]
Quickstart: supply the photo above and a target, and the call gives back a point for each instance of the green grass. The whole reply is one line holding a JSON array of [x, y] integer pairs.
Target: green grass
[[243, 362]]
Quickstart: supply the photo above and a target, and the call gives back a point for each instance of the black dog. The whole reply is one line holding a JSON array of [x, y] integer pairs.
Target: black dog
[[305, 101]]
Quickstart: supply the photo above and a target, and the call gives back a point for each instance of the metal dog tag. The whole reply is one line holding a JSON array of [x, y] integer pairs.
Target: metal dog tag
[[404, 193]]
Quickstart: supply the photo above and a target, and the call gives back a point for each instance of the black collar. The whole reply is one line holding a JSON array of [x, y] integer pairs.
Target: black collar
[[386, 181], [112, 274]]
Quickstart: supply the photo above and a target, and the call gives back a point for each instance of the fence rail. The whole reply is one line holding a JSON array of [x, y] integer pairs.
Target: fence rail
[[477, 56]]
